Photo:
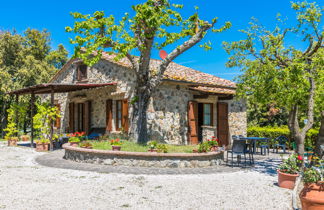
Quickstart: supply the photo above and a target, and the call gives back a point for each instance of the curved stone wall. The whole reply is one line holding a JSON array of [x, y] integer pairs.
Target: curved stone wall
[[143, 159]]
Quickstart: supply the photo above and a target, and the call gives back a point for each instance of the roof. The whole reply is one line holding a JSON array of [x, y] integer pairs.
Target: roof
[[47, 88], [178, 73]]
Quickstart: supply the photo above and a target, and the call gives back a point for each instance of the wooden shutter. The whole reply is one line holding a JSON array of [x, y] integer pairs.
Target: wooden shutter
[[193, 122], [58, 119], [109, 115], [222, 123], [125, 115], [71, 117], [87, 117]]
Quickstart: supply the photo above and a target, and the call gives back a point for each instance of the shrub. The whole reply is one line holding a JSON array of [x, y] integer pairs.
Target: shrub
[[274, 132], [74, 139], [204, 147], [42, 141], [290, 165], [162, 148], [152, 144]]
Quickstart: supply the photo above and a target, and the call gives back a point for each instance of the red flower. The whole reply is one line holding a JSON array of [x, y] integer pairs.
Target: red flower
[[300, 157]]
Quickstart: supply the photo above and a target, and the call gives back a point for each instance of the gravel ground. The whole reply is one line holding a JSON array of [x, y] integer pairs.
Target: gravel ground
[[24, 184]]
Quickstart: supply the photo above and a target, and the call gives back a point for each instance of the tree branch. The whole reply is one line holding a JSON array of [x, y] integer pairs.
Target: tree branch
[[178, 51], [310, 111]]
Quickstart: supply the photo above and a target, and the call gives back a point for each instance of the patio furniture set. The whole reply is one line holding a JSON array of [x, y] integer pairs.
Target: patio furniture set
[[248, 146]]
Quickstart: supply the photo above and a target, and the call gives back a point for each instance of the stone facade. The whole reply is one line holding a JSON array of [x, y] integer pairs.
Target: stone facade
[[167, 111]]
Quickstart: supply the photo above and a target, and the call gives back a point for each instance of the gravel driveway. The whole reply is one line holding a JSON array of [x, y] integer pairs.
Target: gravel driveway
[[24, 184]]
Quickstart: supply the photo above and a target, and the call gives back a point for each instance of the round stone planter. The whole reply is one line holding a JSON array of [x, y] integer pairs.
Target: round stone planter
[[287, 180], [116, 148], [143, 159], [74, 144]]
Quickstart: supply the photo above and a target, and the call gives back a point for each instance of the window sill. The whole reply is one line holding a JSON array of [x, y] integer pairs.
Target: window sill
[[208, 126]]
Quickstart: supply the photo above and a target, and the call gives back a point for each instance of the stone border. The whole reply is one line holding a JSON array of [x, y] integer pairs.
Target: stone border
[[143, 159]]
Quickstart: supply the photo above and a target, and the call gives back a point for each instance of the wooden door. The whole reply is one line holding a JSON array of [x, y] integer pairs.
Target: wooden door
[[222, 123], [193, 122], [109, 115], [80, 117], [71, 117], [125, 115], [87, 117]]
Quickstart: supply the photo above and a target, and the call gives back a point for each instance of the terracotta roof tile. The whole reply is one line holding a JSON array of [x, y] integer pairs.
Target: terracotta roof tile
[[178, 72]]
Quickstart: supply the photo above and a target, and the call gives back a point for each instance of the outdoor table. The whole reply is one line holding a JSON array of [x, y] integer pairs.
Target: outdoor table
[[254, 140]]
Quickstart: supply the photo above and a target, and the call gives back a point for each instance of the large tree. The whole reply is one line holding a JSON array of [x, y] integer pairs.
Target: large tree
[[26, 59], [154, 24], [277, 71]]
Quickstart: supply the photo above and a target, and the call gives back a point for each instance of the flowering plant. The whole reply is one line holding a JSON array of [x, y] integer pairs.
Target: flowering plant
[[76, 134], [291, 165], [314, 173], [213, 142], [74, 139], [115, 142]]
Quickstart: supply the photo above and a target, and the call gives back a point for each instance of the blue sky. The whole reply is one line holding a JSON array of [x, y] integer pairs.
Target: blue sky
[[54, 16]]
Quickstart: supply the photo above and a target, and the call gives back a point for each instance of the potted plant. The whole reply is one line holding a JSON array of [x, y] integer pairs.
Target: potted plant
[[213, 144], [162, 148], [24, 138], [152, 146], [12, 141], [203, 147], [312, 195], [42, 145], [74, 141], [288, 171], [115, 144], [86, 145]]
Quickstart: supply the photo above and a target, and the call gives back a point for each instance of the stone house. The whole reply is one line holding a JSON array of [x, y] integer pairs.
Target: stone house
[[188, 107]]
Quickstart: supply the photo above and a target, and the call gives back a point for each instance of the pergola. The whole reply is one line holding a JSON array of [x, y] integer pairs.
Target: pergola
[[52, 88]]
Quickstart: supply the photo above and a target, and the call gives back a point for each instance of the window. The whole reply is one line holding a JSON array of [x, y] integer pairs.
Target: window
[[119, 115], [208, 114], [82, 72]]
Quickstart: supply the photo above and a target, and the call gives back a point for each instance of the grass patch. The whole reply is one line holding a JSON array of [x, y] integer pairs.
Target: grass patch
[[3, 140], [134, 147]]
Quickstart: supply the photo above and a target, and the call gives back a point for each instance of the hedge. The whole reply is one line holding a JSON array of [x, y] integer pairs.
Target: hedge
[[274, 132]]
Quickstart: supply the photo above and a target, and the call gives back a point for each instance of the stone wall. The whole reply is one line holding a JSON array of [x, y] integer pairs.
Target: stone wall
[[143, 159], [167, 112], [237, 118], [208, 132]]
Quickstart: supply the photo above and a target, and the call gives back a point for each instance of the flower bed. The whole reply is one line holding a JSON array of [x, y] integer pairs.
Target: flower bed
[[143, 159]]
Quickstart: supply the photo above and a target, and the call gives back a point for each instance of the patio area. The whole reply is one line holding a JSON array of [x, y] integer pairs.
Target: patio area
[[26, 184]]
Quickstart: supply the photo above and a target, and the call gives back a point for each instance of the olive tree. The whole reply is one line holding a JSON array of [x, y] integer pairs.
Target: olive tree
[[154, 24], [276, 71]]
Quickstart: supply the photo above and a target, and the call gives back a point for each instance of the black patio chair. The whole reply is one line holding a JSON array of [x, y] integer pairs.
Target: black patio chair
[[238, 149], [282, 140]]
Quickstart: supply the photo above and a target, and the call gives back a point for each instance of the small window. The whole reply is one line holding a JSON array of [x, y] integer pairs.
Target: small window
[[119, 115], [208, 114], [82, 72]]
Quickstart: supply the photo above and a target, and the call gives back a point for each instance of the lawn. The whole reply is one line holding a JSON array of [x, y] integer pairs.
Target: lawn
[[134, 147]]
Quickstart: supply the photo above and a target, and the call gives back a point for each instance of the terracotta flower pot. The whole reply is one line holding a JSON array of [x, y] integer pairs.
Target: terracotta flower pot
[[42, 147], [74, 144], [312, 196], [24, 138], [152, 150], [12, 143], [116, 148], [286, 180], [214, 148]]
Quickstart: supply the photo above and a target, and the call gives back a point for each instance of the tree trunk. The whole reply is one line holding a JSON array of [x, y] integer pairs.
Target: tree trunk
[[138, 129], [320, 140]]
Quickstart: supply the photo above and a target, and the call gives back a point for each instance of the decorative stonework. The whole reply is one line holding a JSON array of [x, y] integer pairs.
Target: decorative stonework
[[143, 159]]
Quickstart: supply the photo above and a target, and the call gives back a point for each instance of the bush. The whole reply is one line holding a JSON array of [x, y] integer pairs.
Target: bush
[[274, 132]]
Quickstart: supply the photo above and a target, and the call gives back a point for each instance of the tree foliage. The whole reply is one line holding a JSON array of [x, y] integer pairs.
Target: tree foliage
[[275, 71], [152, 24], [26, 59]]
